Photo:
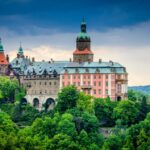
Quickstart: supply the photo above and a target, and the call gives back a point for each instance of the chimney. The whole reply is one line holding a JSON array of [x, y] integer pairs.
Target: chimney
[[111, 62], [7, 58], [100, 60], [33, 59], [18, 55]]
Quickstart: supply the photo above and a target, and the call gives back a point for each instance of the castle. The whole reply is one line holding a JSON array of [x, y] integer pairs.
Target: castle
[[44, 79]]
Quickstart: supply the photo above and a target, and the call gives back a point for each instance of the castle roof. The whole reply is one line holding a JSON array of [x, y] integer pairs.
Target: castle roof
[[60, 67], [83, 52], [94, 67], [3, 60]]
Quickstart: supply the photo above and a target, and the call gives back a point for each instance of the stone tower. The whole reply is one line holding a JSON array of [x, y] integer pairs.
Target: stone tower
[[83, 51], [3, 61]]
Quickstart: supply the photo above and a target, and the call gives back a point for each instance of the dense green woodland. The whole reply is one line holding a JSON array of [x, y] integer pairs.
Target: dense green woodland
[[76, 122]]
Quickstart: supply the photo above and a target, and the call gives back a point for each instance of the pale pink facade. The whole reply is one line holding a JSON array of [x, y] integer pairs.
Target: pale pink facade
[[98, 85]]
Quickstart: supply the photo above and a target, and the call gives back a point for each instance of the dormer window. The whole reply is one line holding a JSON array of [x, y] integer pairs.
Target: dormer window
[[97, 70], [87, 70]]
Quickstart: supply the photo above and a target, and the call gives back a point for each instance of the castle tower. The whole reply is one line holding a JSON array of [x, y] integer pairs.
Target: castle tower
[[3, 61], [20, 51], [83, 51]]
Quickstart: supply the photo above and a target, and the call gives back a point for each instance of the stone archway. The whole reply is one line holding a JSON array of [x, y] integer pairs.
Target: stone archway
[[118, 98], [36, 102], [49, 104], [23, 101]]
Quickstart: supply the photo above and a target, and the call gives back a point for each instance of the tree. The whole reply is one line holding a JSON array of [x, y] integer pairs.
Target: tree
[[67, 98], [103, 110], [144, 109], [66, 125], [85, 102], [127, 111], [138, 135], [60, 142]]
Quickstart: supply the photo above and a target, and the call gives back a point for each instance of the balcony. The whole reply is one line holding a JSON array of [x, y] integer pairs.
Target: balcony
[[86, 87]]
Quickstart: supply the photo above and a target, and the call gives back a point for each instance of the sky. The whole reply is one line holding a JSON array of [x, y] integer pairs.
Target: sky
[[119, 31]]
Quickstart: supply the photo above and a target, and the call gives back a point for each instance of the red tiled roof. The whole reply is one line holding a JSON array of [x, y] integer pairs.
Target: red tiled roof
[[3, 60], [85, 51]]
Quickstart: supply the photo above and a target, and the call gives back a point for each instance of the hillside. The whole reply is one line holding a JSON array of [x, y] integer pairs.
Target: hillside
[[144, 89]]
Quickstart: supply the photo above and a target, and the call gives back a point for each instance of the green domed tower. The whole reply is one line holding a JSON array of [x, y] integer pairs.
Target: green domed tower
[[83, 39], [83, 51]]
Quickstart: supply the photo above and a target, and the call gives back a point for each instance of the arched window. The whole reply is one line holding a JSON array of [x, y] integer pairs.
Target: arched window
[[36, 102]]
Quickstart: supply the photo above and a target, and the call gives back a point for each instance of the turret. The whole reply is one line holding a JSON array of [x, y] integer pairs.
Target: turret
[[20, 51], [83, 51]]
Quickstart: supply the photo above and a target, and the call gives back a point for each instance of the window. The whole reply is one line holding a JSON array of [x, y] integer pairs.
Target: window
[[88, 76], [63, 77], [99, 83], [106, 76], [74, 83], [106, 92], [84, 83], [68, 83], [94, 83], [74, 77], [99, 76], [94, 91], [99, 91], [78, 83], [50, 83], [88, 83], [106, 83], [94, 76], [45, 83], [119, 88], [40, 83], [63, 84], [54, 83], [78, 76], [89, 92], [84, 77], [68, 76]]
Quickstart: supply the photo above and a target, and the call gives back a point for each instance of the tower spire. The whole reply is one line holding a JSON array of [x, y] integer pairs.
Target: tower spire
[[83, 26], [1, 46], [20, 50]]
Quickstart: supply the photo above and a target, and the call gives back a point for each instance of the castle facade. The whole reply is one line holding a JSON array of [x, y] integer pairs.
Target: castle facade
[[43, 80]]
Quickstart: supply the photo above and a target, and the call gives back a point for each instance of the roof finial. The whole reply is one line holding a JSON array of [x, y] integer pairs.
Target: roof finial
[[20, 51], [1, 46], [83, 26], [83, 19]]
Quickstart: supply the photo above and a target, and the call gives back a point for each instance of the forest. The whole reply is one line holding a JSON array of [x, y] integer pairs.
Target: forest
[[77, 122]]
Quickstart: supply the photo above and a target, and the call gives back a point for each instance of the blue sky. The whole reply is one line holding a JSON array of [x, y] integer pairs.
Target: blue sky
[[119, 29]]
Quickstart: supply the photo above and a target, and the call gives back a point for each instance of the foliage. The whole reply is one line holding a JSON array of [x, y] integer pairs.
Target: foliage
[[75, 123], [104, 110], [126, 111], [85, 102], [10, 89], [67, 98]]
